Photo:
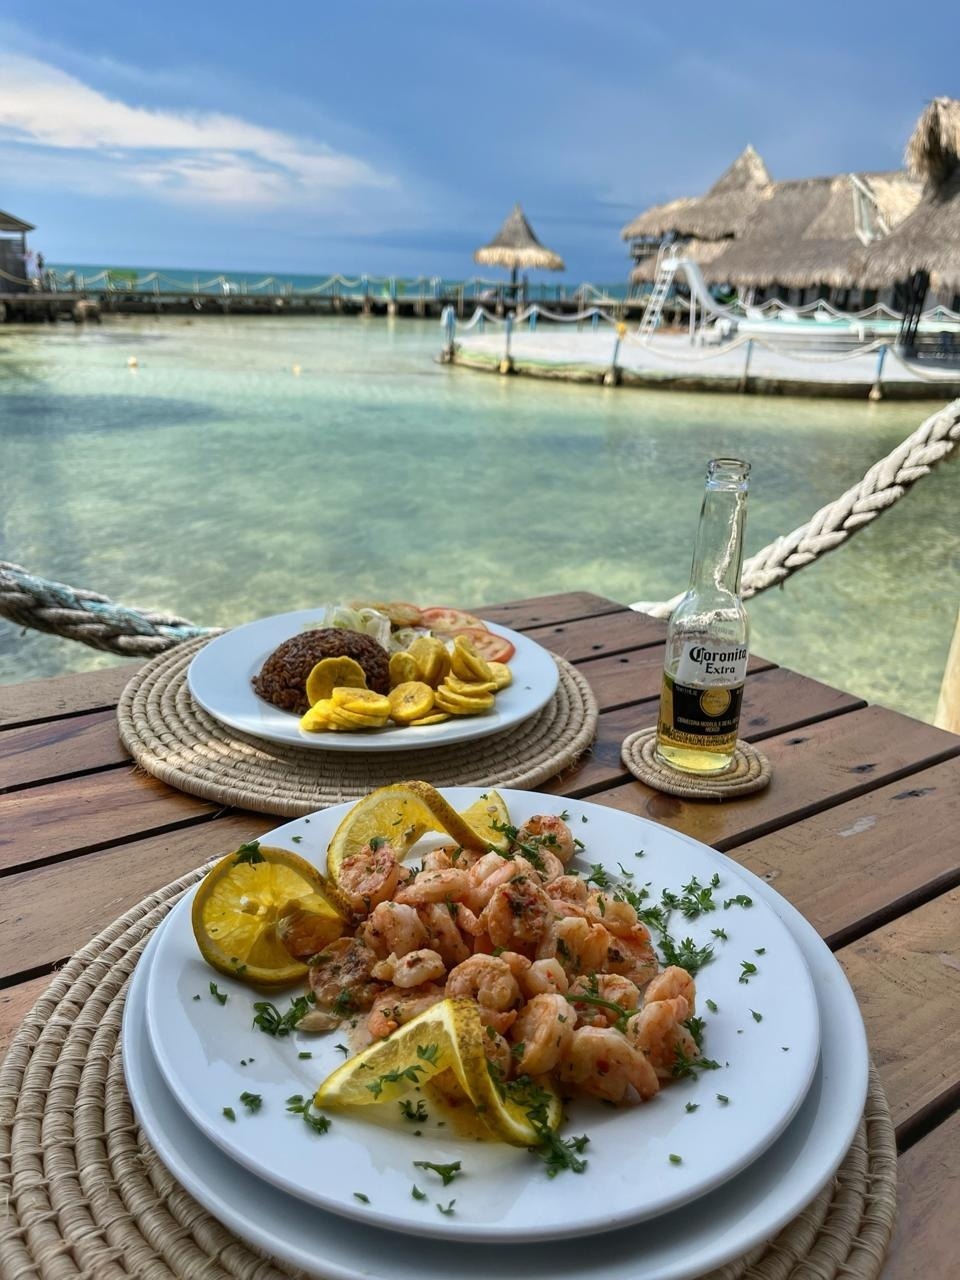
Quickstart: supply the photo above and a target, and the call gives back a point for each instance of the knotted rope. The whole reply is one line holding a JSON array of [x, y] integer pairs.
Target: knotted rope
[[884, 484], [95, 620], [88, 616]]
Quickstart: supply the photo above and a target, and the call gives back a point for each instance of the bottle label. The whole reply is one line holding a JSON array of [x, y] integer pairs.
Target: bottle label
[[709, 665], [694, 716]]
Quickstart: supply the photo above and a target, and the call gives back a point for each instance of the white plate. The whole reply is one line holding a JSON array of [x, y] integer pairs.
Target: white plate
[[219, 679], [751, 1208], [504, 1192]]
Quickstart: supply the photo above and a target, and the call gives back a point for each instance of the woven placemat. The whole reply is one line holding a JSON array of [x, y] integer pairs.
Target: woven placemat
[[748, 771], [174, 739], [83, 1196]]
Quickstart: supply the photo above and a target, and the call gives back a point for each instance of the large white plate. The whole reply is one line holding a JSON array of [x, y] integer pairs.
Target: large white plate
[[751, 1208], [219, 679], [768, 1063]]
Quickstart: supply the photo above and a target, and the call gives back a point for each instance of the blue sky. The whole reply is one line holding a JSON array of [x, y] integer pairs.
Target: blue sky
[[394, 135]]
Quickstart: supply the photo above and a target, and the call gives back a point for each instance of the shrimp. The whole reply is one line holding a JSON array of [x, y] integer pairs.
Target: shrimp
[[551, 833], [434, 886], [443, 936], [369, 876], [488, 980], [674, 981], [602, 1061], [543, 977], [394, 929], [604, 986], [581, 947], [492, 871], [657, 1031], [412, 969], [632, 955], [567, 890], [518, 914], [618, 918], [542, 1033], [497, 1052], [398, 1005], [438, 859], [341, 979], [549, 866]]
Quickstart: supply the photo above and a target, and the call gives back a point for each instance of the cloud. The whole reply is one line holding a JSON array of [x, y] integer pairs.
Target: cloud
[[200, 158]]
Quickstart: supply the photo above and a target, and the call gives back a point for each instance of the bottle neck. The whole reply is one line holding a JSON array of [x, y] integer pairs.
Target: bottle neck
[[718, 554]]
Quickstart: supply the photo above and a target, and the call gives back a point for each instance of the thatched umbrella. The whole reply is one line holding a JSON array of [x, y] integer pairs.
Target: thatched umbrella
[[924, 250], [516, 247]]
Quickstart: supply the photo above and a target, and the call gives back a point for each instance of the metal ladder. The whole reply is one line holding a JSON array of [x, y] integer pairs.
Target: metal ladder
[[666, 270]]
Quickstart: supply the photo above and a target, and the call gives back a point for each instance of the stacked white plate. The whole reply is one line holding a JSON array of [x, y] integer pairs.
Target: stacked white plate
[[709, 1168]]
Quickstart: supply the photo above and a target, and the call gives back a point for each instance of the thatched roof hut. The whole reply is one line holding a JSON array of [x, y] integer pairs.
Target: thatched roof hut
[[723, 211], [516, 247], [927, 243], [805, 232]]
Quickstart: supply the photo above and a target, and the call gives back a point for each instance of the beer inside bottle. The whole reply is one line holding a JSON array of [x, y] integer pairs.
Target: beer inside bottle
[[706, 655]]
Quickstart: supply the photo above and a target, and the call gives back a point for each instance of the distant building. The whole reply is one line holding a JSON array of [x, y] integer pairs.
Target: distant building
[[792, 240], [13, 253]]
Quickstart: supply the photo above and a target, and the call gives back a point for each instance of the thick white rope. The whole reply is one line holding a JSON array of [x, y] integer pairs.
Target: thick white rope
[[884, 484]]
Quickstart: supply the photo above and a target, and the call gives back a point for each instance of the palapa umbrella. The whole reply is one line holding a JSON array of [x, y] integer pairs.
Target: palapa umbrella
[[516, 247]]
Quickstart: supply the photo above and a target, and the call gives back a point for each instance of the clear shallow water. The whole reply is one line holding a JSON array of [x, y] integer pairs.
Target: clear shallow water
[[213, 482]]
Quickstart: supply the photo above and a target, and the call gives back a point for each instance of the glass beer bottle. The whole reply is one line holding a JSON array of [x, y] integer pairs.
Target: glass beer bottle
[[706, 655]]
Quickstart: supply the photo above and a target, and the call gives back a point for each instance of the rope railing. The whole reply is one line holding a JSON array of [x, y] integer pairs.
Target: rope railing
[[32, 601], [886, 482]]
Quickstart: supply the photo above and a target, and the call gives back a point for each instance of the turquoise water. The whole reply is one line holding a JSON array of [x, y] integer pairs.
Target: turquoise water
[[212, 481]]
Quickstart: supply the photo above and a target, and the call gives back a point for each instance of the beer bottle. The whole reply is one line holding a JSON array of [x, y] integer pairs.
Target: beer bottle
[[706, 655]]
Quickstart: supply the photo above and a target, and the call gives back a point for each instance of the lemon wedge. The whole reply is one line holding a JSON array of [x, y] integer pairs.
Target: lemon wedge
[[401, 813], [249, 900], [446, 1037]]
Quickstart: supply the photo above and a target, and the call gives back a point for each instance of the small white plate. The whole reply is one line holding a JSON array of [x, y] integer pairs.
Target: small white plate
[[219, 679], [742, 1213], [765, 1034]]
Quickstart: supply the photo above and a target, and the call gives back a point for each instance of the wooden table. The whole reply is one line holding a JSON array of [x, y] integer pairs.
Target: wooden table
[[858, 830]]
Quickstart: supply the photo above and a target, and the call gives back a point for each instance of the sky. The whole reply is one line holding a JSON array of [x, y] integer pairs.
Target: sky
[[394, 136]]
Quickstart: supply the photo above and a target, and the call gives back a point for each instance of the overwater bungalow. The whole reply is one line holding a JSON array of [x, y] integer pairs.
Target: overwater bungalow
[[791, 240], [13, 253]]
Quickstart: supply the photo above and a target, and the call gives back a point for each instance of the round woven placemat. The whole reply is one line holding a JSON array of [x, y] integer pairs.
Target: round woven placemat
[[174, 739], [83, 1196], [748, 771]]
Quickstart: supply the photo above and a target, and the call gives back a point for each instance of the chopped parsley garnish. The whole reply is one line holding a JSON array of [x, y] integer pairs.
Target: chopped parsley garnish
[[296, 839], [252, 1101], [740, 900], [304, 1053], [358, 1195], [446, 1171], [685, 954], [297, 1104], [675, 1159], [719, 933], [220, 996], [446, 1208], [556, 1153], [196, 997], [564, 815], [411, 1112], [343, 1004], [584, 818], [229, 1113], [695, 1026], [686, 1066], [343, 1049], [598, 876], [712, 1006], [269, 1018], [692, 1106], [722, 1099], [428, 1052], [747, 970], [639, 854], [757, 1017], [697, 898], [377, 843], [760, 951], [589, 997], [417, 1193], [249, 852]]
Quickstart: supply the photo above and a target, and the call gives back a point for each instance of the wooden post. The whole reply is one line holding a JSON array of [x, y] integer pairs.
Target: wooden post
[[448, 320], [612, 376], [876, 391], [745, 376], [948, 705], [506, 364]]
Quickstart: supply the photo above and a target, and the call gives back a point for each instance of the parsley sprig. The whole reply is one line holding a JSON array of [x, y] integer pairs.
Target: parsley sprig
[[269, 1018]]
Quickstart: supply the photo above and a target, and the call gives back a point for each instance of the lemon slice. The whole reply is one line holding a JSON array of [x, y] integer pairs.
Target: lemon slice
[[243, 905], [446, 1037], [487, 816], [401, 813]]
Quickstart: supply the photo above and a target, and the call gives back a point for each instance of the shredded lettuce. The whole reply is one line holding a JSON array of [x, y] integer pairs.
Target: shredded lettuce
[[368, 621]]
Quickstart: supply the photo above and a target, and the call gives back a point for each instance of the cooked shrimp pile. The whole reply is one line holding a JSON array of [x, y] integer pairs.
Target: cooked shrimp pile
[[523, 936]]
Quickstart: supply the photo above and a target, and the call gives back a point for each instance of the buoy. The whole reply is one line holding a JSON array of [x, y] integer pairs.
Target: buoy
[[296, 371], [132, 362]]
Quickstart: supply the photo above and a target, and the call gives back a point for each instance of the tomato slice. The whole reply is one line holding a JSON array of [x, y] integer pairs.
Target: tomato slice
[[492, 647], [450, 621]]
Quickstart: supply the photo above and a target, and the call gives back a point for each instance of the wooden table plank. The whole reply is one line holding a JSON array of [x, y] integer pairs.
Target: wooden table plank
[[924, 1245], [63, 695], [539, 611], [907, 980], [15, 1004], [588, 639], [856, 866], [49, 912], [48, 822], [814, 768], [53, 749]]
